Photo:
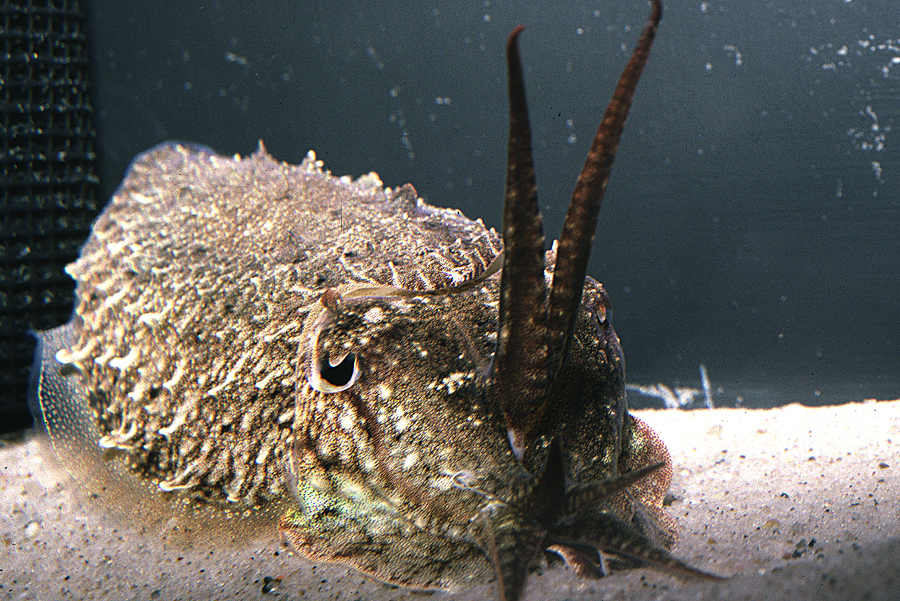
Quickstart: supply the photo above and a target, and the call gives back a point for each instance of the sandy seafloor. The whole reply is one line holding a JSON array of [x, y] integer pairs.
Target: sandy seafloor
[[796, 503]]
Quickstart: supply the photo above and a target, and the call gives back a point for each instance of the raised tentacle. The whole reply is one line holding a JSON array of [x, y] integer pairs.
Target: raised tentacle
[[574, 250], [521, 368]]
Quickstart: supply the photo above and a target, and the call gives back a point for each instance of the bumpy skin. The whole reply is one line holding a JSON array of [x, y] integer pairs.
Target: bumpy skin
[[213, 295], [192, 293]]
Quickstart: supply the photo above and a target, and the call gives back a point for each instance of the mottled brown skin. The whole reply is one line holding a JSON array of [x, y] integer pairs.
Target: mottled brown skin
[[252, 335]]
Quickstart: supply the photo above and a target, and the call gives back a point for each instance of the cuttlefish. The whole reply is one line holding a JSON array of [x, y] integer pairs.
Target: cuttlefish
[[391, 385]]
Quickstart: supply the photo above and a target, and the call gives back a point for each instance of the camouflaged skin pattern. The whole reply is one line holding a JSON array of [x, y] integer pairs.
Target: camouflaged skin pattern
[[202, 317], [192, 293]]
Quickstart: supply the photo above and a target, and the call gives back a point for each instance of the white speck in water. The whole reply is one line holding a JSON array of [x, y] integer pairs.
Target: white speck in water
[[231, 57], [738, 57]]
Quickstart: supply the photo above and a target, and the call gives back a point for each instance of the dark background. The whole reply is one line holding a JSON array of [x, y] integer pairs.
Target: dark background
[[752, 223]]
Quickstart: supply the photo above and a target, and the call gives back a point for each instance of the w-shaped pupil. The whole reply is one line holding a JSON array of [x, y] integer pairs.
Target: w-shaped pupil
[[341, 373]]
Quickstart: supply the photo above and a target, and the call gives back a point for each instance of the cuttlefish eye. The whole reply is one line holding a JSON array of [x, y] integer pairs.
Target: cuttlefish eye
[[334, 374]]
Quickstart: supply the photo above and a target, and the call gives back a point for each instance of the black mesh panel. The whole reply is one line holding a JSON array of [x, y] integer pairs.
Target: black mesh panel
[[47, 187]]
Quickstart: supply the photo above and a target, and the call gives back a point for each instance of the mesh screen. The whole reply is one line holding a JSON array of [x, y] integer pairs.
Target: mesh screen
[[48, 187]]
